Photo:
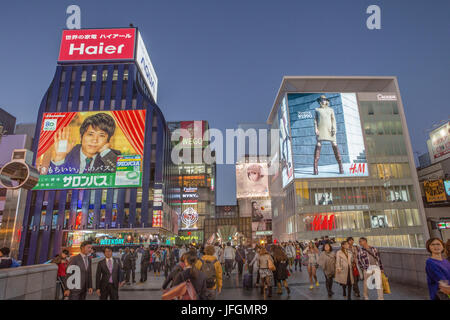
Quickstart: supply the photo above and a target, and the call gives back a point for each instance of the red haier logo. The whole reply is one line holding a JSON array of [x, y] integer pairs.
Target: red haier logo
[[97, 44]]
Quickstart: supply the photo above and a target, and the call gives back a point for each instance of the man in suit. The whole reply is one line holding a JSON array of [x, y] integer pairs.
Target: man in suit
[[93, 155], [84, 265], [109, 276]]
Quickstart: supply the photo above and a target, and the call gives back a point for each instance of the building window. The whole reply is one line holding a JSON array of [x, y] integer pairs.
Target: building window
[[83, 76], [104, 75], [115, 75], [125, 75], [94, 75]]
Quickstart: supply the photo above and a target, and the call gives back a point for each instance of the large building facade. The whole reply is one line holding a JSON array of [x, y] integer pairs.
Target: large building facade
[[193, 180], [59, 218], [346, 166]]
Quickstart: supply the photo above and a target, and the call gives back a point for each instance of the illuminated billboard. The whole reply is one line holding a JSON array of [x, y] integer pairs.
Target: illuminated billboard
[[252, 180], [327, 138], [88, 150], [261, 211], [97, 45], [439, 143], [434, 191], [287, 166]]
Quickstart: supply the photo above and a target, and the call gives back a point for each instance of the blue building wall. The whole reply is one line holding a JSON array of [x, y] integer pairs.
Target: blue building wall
[[42, 240]]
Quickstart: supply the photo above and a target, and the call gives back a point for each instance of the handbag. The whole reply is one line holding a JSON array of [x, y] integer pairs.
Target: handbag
[[355, 271], [183, 291], [385, 282], [271, 265]]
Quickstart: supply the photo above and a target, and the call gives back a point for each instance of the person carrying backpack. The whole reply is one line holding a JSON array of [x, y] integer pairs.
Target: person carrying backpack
[[212, 269], [193, 276]]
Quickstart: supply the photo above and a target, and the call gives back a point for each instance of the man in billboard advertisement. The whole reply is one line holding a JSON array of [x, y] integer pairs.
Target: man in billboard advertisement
[[252, 180], [327, 138], [287, 168], [91, 149], [93, 154]]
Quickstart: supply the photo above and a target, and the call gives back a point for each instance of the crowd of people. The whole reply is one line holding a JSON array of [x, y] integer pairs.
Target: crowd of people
[[201, 269]]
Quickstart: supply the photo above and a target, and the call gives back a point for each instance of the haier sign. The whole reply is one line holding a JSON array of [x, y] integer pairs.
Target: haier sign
[[145, 66], [97, 45]]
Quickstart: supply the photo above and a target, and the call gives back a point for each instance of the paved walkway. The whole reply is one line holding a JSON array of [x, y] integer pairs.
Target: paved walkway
[[298, 282]]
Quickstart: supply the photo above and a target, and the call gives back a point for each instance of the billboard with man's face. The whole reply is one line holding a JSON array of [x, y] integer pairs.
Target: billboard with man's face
[[327, 138], [88, 150]]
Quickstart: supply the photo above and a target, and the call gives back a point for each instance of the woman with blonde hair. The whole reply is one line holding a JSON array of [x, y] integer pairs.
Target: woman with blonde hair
[[266, 275], [313, 260]]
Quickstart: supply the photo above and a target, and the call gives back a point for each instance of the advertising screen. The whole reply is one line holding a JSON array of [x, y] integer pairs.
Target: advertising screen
[[447, 187], [378, 222], [324, 198], [327, 138], [252, 180], [439, 143], [146, 67], [88, 150], [261, 211], [434, 191], [287, 166], [97, 44]]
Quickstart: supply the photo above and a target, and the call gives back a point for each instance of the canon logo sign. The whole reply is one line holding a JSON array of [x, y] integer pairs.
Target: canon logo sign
[[98, 44]]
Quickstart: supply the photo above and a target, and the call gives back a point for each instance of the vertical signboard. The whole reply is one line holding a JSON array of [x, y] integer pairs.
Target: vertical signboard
[[146, 67]]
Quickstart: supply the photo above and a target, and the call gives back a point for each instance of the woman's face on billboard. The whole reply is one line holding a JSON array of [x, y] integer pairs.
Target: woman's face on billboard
[[93, 141], [253, 176]]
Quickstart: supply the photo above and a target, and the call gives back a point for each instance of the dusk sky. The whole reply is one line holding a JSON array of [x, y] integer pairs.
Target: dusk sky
[[223, 61]]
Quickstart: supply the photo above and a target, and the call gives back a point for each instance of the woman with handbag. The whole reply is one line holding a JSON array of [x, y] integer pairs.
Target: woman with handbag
[[327, 261], [344, 272], [266, 268], [193, 275], [312, 254]]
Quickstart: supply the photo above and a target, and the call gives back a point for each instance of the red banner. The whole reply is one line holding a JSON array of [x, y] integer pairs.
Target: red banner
[[97, 44]]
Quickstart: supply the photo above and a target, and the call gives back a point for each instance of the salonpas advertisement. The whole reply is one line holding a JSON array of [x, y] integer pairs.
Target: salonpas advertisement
[[88, 150], [327, 138]]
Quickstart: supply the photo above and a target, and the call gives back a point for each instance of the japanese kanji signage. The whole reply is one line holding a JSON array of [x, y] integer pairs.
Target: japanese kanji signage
[[87, 150], [97, 44]]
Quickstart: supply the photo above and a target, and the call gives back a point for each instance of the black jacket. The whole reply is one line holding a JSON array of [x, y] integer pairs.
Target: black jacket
[[71, 163], [86, 274], [103, 274], [199, 282], [172, 275]]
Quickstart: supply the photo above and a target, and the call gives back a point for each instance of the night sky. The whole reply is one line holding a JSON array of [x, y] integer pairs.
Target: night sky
[[223, 61]]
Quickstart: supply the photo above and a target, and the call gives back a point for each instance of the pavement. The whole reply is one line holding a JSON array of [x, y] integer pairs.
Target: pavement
[[298, 283]]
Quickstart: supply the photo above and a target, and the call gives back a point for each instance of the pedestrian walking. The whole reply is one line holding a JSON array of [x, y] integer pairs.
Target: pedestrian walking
[[85, 267], [290, 253], [344, 274], [157, 259], [212, 269], [266, 274], [179, 267], [281, 274], [109, 276], [438, 271], [240, 259], [369, 262], [61, 260], [145, 261], [298, 257], [195, 276], [327, 261], [312, 254], [356, 273], [229, 255]]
